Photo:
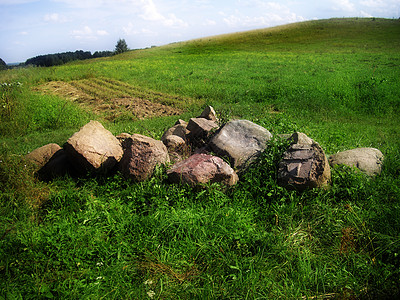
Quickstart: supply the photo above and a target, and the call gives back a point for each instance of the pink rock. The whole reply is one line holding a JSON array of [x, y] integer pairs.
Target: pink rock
[[202, 168], [141, 155]]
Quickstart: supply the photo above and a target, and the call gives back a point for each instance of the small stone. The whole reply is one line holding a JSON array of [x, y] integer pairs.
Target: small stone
[[209, 114]]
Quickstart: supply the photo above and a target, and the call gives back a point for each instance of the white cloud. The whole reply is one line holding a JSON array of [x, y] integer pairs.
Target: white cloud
[[151, 13], [23, 33], [343, 5], [365, 14], [55, 18], [102, 32], [209, 23], [86, 33], [264, 20], [373, 3], [130, 29]]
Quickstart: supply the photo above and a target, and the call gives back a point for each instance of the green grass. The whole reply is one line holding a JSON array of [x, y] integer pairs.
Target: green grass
[[105, 238]]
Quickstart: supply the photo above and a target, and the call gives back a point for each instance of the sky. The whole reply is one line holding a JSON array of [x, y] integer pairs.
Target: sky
[[29, 28]]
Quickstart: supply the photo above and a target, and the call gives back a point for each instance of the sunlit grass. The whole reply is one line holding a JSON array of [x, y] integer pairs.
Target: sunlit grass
[[335, 80]]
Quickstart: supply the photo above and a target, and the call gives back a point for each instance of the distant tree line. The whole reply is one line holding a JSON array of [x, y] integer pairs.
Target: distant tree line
[[49, 60]]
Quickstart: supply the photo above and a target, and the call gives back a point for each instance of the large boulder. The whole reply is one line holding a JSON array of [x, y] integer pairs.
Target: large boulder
[[201, 169], [141, 155], [303, 166], [368, 160], [241, 141], [93, 148]]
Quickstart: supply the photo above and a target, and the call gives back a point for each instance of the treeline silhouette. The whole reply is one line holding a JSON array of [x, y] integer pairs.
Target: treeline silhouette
[[56, 59]]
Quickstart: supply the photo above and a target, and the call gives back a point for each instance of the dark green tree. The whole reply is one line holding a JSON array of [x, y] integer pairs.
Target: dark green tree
[[121, 46]]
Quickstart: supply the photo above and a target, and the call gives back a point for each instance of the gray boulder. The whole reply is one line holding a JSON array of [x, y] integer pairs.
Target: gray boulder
[[368, 160], [304, 166], [241, 141], [93, 148], [141, 155], [202, 168]]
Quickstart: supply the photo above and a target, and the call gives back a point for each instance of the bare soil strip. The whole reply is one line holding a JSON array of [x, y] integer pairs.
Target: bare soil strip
[[111, 99]]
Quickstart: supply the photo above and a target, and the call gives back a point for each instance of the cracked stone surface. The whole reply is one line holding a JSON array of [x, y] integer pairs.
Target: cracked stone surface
[[304, 166], [93, 148]]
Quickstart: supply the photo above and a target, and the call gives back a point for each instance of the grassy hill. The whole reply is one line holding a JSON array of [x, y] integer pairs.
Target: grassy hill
[[336, 80]]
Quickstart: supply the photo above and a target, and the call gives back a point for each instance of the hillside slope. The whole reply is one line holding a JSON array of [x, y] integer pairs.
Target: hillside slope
[[338, 34]]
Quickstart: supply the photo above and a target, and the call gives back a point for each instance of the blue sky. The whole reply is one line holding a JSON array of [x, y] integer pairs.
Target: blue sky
[[34, 27]]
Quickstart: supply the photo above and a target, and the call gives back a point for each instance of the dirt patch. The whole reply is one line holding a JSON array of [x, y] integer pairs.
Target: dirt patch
[[110, 109]]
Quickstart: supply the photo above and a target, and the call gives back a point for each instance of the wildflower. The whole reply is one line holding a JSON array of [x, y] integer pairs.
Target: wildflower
[[151, 294], [99, 264], [148, 282]]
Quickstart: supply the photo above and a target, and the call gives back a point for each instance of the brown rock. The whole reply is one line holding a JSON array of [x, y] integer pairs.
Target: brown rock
[[93, 148], [202, 168], [174, 143], [122, 137], [178, 130], [141, 155], [209, 114], [181, 122], [304, 166], [42, 155], [51, 161], [199, 130]]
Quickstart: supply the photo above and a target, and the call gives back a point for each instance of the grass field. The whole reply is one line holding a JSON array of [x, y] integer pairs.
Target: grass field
[[336, 80]]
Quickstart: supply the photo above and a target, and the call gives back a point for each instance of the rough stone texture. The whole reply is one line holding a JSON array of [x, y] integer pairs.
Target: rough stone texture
[[202, 168], [93, 148], [209, 114], [178, 130], [42, 155], [200, 128], [141, 155], [368, 160], [174, 143], [241, 141], [304, 166]]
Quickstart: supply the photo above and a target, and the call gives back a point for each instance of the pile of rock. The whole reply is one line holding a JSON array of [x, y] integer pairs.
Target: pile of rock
[[185, 149]]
